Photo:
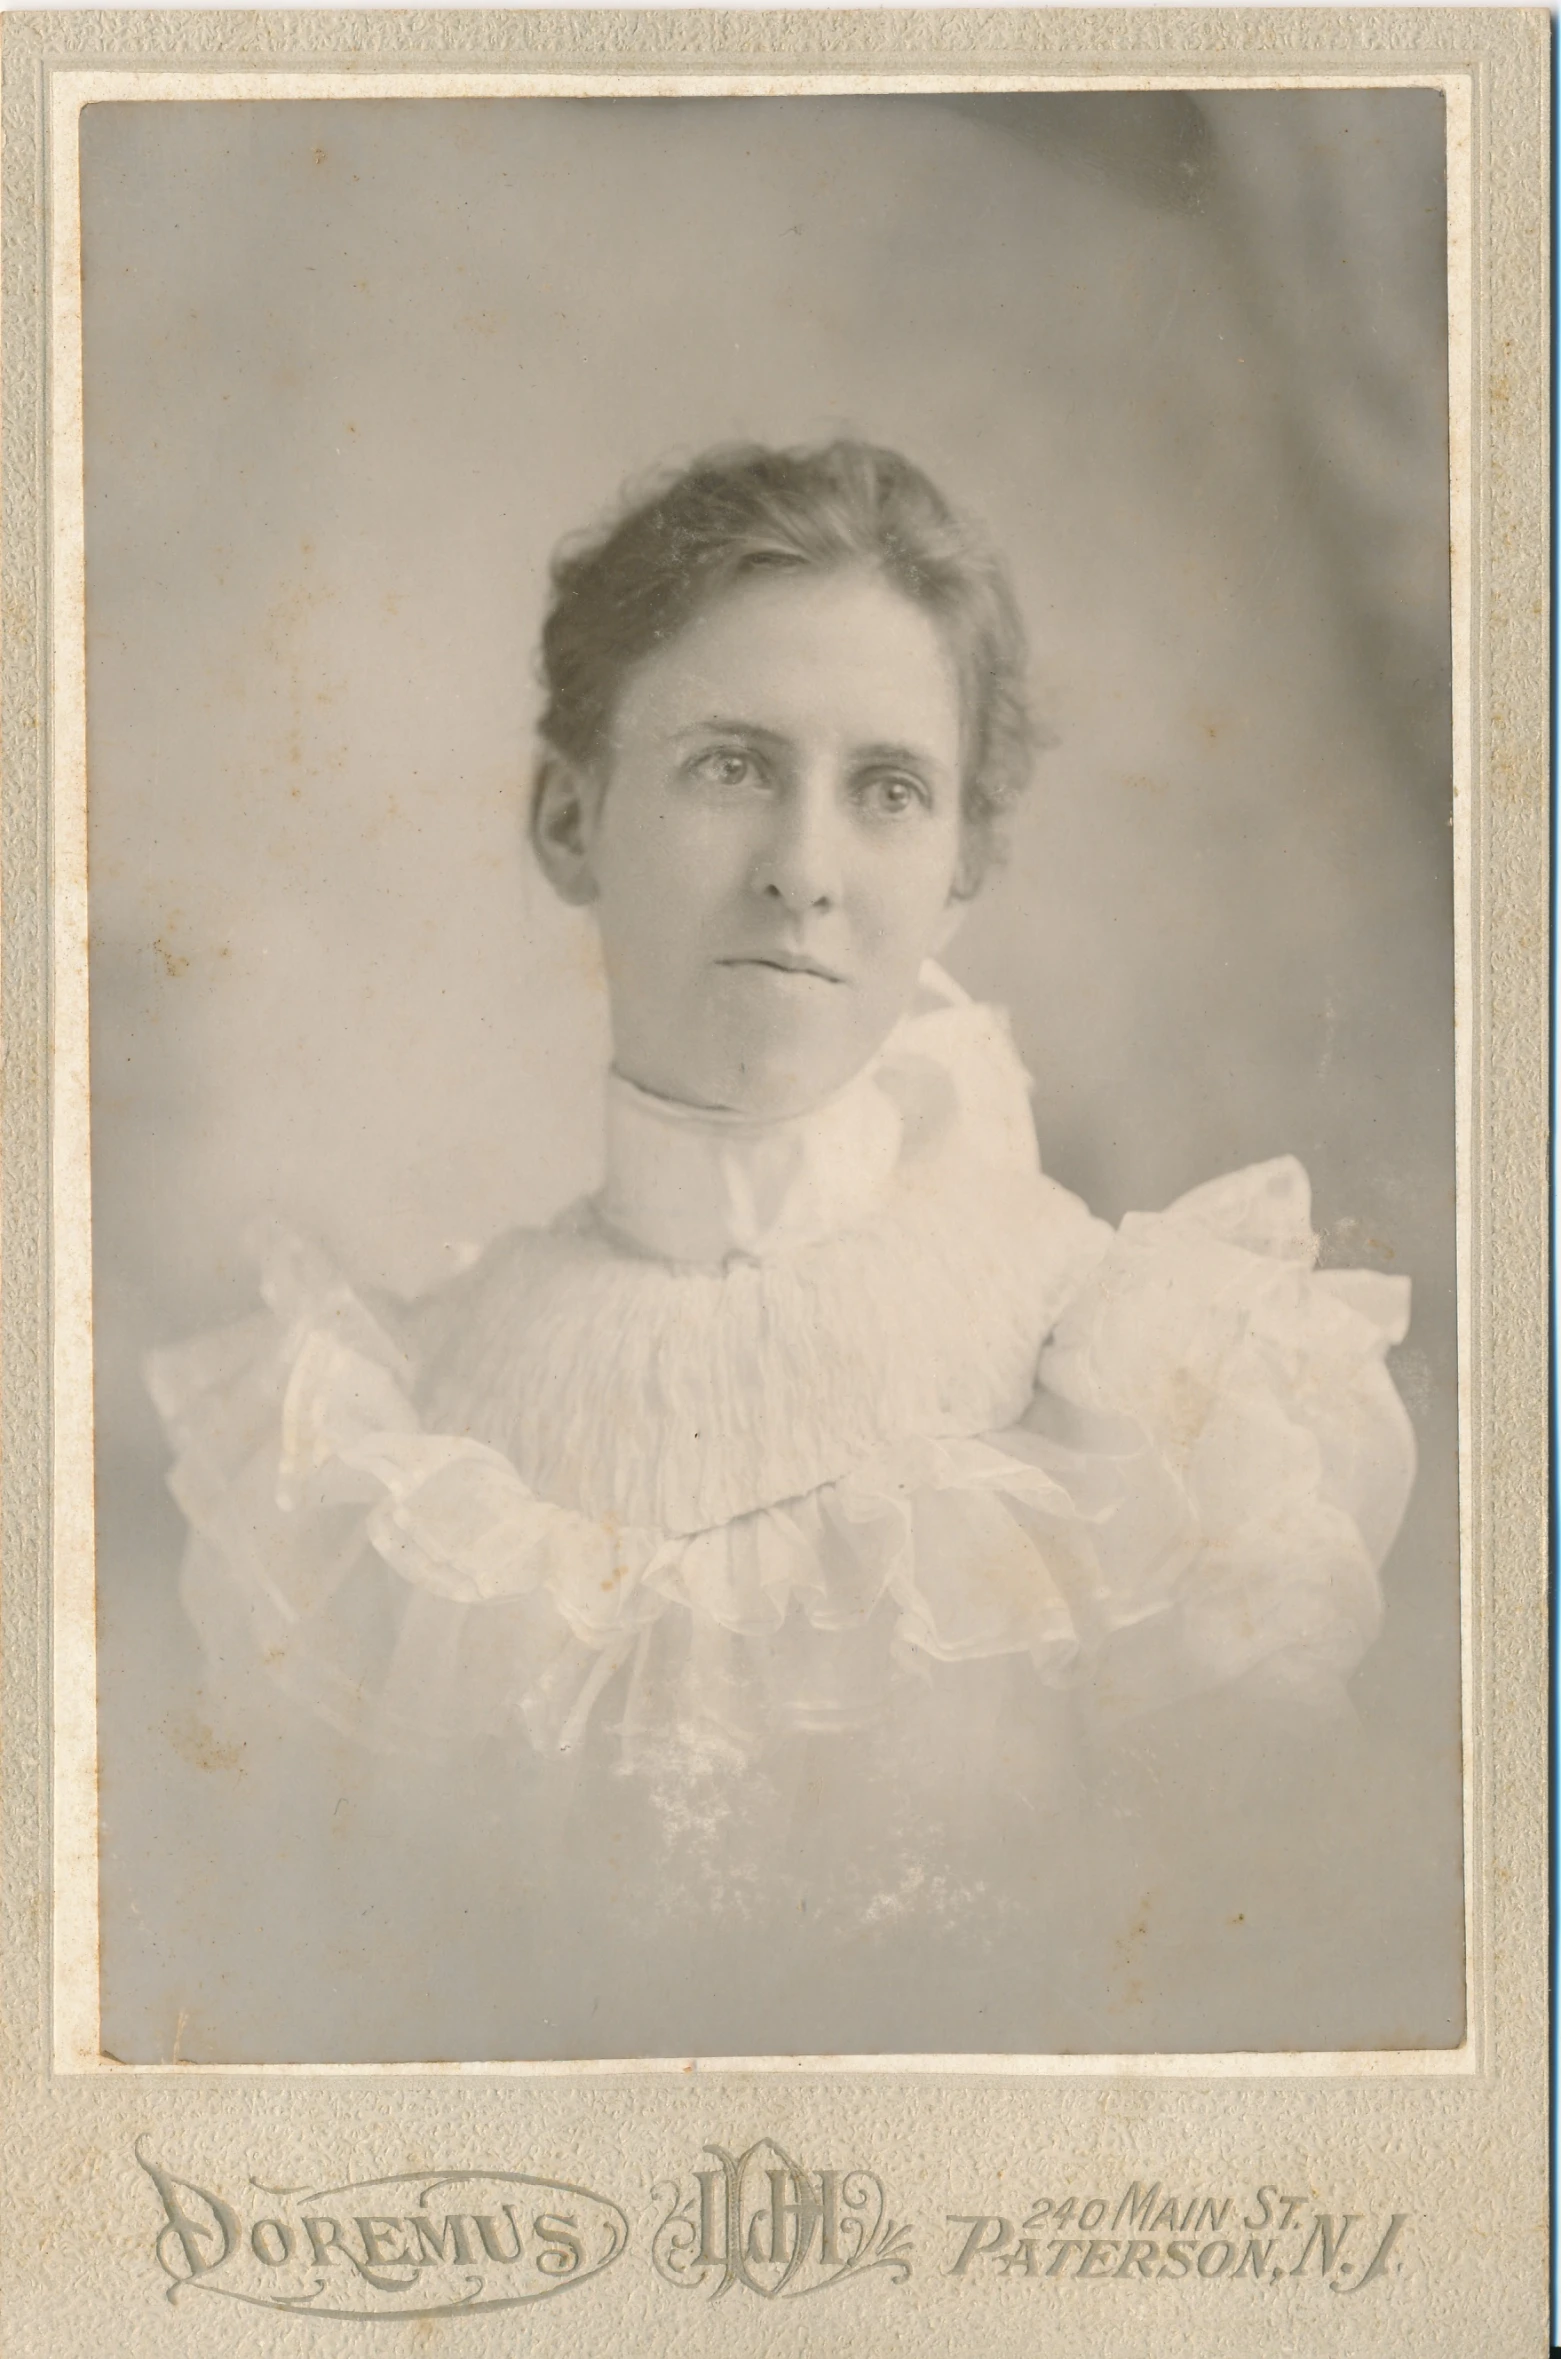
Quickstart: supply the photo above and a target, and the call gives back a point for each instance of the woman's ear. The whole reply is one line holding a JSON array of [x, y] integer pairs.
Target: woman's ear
[[564, 803]]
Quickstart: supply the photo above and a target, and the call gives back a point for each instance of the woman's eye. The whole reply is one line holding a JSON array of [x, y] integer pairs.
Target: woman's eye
[[726, 767], [891, 793]]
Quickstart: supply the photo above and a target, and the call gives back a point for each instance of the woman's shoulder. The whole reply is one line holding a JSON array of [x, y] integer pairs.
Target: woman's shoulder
[[494, 1281], [1228, 1268], [1250, 1232]]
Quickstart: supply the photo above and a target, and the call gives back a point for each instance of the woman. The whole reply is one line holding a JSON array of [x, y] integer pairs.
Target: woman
[[794, 1520]]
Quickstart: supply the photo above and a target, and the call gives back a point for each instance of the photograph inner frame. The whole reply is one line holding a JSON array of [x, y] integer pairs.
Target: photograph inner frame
[[1220, 922]]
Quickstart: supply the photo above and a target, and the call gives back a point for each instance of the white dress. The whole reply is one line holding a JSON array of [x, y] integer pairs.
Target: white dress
[[807, 1502]]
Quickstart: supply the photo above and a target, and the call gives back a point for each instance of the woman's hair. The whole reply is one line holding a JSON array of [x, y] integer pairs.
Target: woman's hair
[[621, 593]]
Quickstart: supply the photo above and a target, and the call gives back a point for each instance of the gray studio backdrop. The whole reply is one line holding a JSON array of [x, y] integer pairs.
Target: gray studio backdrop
[[352, 370]]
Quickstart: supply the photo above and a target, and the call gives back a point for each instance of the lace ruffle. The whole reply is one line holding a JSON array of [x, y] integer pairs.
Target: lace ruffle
[[624, 1381], [1211, 1470]]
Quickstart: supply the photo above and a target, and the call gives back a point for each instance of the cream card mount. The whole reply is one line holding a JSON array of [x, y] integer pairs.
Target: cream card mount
[[775, 964]]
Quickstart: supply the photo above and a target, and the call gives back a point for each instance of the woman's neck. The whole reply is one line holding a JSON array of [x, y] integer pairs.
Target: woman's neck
[[703, 1183]]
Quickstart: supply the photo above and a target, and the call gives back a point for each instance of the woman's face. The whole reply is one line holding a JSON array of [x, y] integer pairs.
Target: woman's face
[[773, 839]]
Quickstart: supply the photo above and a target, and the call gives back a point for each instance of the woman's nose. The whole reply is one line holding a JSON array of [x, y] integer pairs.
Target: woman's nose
[[800, 863]]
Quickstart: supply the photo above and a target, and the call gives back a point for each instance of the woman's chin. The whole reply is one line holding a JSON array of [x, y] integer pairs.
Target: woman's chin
[[760, 1052], [769, 1079], [773, 1098]]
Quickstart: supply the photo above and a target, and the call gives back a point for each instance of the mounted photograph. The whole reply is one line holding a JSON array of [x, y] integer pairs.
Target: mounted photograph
[[771, 846], [775, 977]]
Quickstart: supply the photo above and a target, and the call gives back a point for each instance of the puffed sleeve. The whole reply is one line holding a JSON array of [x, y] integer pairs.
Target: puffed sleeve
[[1263, 1458], [406, 1584]]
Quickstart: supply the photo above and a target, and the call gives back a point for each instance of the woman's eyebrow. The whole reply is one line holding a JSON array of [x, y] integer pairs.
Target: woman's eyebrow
[[911, 757], [723, 725]]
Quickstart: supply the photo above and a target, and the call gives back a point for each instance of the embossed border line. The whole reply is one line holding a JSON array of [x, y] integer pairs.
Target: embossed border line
[[71, 1636]]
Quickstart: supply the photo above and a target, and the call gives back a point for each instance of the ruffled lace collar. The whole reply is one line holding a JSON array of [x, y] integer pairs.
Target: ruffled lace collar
[[693, 1185]]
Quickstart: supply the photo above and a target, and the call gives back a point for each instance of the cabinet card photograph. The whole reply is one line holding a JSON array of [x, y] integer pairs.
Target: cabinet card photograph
[[772, 1273], [769, 794]]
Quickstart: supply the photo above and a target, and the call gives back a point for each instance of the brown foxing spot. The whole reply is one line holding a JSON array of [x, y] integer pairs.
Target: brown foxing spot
[[194, 1742]]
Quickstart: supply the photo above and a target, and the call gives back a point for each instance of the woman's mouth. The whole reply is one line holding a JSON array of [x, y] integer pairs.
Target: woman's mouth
[[789, 963]]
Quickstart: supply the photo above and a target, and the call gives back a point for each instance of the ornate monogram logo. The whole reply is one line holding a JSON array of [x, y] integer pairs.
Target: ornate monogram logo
[[760, 2220]]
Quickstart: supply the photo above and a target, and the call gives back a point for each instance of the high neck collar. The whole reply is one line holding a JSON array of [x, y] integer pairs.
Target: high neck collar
[[699, 1186], [691, 1184]]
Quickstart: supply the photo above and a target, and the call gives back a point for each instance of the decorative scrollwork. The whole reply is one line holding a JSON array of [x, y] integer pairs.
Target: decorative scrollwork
[[761, 2220]]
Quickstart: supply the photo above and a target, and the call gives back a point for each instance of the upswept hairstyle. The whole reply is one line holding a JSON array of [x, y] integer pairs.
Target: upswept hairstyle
[[624, 591]]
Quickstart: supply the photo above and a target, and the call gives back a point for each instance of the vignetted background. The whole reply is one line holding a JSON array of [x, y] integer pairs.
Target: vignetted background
[[352, 371]]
